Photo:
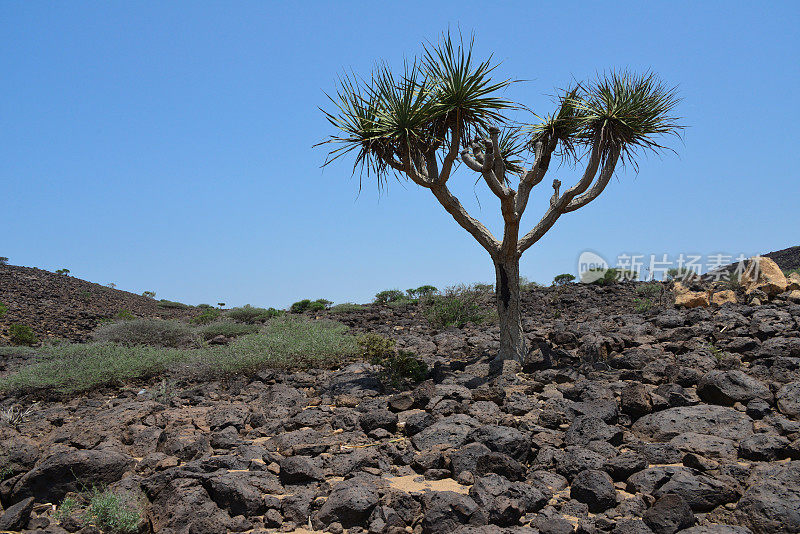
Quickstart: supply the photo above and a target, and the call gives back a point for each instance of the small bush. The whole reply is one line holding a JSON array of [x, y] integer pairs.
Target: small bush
[[228, 329], [153, 332], [398, 367], [22, 334], [208, 315], [3, 309], [458, 306], [387, 296], [310, 305], [680, 274], [111, 285], [124, 315], [527, 285], [3, 260], [652, 289], [85, 296], [169, 304], [421, 292], [247, 314], [405, 301], [374, 346], [205, 306], [149, 294], [483, 288], [563, 279], [347, 307], [642, 305], [63, 271], [609, 276], [118, 513]]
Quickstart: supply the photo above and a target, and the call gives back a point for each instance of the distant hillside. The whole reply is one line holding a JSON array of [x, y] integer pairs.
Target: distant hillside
[[787, 259], [61, 306]]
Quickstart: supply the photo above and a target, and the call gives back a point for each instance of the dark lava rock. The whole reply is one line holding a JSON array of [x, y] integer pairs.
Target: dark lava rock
[[772, 503], [451, 431], [704, 419], [505, 502], [299, 470], [502, 464], [466, 458], [763, 447], [730, 387], [445, 511], [596, 489], [624, 465], [17, 515], [668, 515], [635, 400], [71, 470], [350, 503], [378, 419], [585, 429], [503, 439], [789, 399]]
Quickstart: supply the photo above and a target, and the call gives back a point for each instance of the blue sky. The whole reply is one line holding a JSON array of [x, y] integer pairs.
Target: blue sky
[[167, 146]]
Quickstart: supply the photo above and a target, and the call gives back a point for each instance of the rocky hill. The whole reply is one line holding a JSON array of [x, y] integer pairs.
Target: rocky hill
[[787, 259], [61, 306]]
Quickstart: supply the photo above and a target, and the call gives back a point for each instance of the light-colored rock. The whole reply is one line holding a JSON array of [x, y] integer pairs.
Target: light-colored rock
[[721, 297], [761, 273], [794, 296], [793, 282], [686, 298]]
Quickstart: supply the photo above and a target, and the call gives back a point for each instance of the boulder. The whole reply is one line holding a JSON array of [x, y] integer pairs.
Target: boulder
[[504, 502], [764, 447], [446, 511], [793, 282], [686, 298], [503, 439], [723, 297], [451, 431], [729, 387], [789, 399], [585, 429], [17, 515], [349, 503], [718, 421], [763, 274], [300, 470], [596, 489], [771, 504], [668, 515]]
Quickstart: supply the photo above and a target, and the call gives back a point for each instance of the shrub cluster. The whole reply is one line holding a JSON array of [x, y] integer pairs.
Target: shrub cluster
[[208, 315], [563, 279], [421, 292], [22, 334], [3, 309], [169, 304], [652, 289], [310, 305], [228, 329], [399, 368], [251, 315], [612, 276], [457, 306], [153, 332], [111, 511], [346, 307], [388, 295]]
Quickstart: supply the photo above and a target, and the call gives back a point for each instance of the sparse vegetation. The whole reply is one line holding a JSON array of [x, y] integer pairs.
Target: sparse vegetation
[[208, 315], [388, 295], [149, 294], [111, 285], [310, 305], [457, 306], [610, 276], [346, 307], [63, 272], [85, 296], [398, 367], [483, 288], [228, 329], [152, 332], [649, 289], [112, 512], [527, 285], [22, 334], [3, 309], [124, 315], [169, 304], [285, 342], [421, 292], [15, 415], [643, 305], [680, 273], [563, 279], [250, 314], [3, 260]]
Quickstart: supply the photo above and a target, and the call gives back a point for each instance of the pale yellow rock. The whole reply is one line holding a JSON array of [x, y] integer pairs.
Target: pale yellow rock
[[721, 297], [793, 282], [794, 295], [764, 274], [685, 298]]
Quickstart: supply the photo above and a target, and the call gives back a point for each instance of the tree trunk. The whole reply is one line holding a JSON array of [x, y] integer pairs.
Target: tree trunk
[[512, 341]]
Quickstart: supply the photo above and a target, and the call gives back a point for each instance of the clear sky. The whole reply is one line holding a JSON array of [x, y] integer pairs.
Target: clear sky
[[167, 146]]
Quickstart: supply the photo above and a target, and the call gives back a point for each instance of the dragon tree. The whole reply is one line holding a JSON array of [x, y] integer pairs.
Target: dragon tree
[[444, 110]]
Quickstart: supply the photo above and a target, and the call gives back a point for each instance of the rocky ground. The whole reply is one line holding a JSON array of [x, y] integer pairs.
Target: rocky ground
[[61, 306], [623, 420]]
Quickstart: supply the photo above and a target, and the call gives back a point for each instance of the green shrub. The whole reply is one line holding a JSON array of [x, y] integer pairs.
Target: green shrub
[[310, 305], [642, 305], [63, 271], [611, 276], [85, 296], [3, 260], [389, 295], [398, 367], [346, 307], [149, 294], [405, 301], [228, 329], [680, 274], [124, 315], [169, 304], [22, 334], [153, 332], [208, 315], [527, 285], [3, 309], [374, 346], [252, 315], [421, 292], [651, 289], [458, 306], [483, 288], [563, 279], [205, 306], [787, 272], [113, 512]]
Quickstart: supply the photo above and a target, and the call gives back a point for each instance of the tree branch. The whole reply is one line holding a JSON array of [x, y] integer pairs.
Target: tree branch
[[535, 175], [450, 203], [605, 176], [452, 154]]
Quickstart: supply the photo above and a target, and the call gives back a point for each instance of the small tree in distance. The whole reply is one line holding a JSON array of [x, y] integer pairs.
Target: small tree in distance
[[444, 107]]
